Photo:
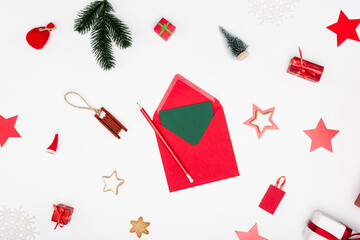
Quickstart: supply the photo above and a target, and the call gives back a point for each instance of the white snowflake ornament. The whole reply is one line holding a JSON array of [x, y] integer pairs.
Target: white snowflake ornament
[[272, 11], [15, 224]]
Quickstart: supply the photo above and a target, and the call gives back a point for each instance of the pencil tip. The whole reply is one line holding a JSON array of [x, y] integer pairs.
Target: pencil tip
[[140, 107]]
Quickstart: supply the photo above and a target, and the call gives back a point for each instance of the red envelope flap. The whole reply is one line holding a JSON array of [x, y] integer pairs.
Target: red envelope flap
[[211, 160], [179, 145], [182, 92]]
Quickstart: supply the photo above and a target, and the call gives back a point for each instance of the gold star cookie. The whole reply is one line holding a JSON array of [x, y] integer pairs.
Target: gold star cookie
[[139, 227]]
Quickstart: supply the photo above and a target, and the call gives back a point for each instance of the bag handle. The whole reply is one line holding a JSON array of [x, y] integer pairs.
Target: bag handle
[[282, 184]]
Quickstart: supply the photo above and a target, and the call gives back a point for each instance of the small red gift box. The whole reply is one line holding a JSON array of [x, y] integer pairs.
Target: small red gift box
[[304, 69], [62, 215], [273, 196], [164, 29]]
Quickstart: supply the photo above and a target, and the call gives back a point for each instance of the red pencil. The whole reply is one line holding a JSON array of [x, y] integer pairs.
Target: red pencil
[[142, 110]]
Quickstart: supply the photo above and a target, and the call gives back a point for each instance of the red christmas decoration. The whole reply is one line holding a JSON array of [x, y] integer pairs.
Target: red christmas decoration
[[345, 28], [53, 147], [273, 196], [357, 201], [321, 136], [164, 29], [38, 37], [252, 234], [62, 215], [7, 129], [305, 69]]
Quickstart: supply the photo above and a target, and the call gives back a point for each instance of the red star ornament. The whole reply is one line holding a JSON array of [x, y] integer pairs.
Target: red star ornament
[[252, 234], [345, 28], [321, 136], [7, 129], [257, 112]]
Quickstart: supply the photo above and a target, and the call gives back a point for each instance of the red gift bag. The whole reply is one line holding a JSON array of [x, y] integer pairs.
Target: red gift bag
[[273, 196], [38, 37]]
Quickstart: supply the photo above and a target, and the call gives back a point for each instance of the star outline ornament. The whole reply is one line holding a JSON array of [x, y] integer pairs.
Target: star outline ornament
[[321, 136], [254, 117], [119, 180], [139, 227], [252, 234], [7, 129], [345, 28]]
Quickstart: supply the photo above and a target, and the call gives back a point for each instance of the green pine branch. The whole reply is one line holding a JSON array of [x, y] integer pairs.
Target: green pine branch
[[117, 29], [101, 44], [86, 18], [105, 27]]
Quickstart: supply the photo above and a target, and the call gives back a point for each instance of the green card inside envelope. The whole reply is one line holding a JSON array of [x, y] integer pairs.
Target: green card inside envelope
[[189, 122]]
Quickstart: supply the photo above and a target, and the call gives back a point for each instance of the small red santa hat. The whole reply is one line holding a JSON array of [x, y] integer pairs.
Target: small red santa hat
[[53, 147]]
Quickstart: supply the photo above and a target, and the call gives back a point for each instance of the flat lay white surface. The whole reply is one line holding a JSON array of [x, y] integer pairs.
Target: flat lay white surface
[[33, 83]]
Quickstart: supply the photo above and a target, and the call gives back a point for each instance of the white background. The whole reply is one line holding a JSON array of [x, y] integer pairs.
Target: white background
[[33, 83]]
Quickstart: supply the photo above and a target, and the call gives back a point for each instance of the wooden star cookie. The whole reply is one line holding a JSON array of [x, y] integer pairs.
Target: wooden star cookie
[[139, 227]]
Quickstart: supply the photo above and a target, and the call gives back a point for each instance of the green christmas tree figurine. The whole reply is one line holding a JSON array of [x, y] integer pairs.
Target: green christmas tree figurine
[[105, 27], [237, 47]]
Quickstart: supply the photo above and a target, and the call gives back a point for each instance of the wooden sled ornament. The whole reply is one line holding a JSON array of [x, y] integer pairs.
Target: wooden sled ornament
[[108, 121], [111, 123]]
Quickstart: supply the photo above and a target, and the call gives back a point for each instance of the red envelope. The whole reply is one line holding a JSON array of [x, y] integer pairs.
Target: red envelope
[[212, 159]]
